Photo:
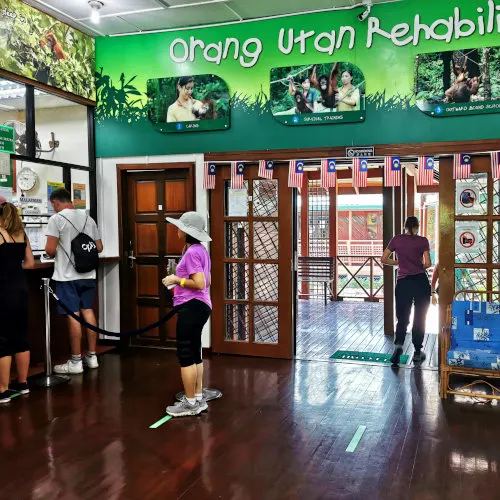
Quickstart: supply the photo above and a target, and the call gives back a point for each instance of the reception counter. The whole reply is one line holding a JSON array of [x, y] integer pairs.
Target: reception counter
[[59, 329]]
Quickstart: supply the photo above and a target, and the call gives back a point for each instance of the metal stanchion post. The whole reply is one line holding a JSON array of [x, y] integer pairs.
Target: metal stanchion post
[[49, 380]]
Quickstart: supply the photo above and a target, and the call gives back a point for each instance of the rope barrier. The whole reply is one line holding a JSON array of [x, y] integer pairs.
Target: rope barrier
[[96, 329]]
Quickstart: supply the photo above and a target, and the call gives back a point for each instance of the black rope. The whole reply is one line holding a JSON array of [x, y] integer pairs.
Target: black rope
[[96, 329]]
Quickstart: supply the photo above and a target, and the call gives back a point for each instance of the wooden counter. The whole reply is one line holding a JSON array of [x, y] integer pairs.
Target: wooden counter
[[36, 323]]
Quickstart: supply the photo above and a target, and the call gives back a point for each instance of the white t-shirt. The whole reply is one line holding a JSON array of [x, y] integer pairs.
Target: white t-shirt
[[60, 228]]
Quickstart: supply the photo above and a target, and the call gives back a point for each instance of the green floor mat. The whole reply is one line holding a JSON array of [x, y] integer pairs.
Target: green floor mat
[[370, 357]]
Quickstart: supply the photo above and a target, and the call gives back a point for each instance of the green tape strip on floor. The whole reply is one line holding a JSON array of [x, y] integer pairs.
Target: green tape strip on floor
[[369, 357], [160, 422], [356, 439]]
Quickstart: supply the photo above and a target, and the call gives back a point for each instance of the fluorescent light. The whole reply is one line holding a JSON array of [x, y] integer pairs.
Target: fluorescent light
[[95, 17]]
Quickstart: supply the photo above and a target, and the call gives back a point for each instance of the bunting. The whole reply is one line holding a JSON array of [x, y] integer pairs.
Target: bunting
[[462, 165], [296, 173], [237, 175], [209, 172], [392, 171], [266, 169], [360, 172], [425, 176], [328, 173]]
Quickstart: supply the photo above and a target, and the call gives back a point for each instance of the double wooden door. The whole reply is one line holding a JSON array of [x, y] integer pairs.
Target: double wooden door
[[252, 271], [149, 243]]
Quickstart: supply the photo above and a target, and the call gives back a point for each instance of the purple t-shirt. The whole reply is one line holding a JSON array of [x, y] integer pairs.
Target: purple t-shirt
[[410, 253], [195, 260]]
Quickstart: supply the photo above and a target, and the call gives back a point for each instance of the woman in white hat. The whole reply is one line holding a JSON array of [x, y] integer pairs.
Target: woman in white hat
[[191, 296]]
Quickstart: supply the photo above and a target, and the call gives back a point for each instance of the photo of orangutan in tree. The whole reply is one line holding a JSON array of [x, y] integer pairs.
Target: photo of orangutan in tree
[[458, 80]]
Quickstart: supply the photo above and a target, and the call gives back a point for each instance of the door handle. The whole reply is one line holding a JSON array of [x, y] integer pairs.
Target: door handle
[[131, 259]]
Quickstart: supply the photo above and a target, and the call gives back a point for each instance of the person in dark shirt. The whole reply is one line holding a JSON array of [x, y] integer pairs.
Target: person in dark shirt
[[412, 288], [15, 255]]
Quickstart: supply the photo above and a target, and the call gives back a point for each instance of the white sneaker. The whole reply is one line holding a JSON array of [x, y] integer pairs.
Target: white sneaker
[[69, 368], [91, 361]]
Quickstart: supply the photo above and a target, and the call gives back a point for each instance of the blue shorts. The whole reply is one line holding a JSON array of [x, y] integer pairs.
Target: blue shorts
[[76, 295]]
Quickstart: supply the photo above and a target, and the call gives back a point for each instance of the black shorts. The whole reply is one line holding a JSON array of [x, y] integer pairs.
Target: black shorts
[[13, 321], [191, 319]]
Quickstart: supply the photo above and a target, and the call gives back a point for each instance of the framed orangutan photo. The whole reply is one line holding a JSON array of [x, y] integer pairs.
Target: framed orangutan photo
[[458, 82]]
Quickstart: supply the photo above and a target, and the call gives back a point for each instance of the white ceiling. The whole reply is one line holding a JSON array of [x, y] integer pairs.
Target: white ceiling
[[130, 16]]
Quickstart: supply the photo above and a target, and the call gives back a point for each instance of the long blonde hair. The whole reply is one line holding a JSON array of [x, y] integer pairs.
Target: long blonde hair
[[12, 222]]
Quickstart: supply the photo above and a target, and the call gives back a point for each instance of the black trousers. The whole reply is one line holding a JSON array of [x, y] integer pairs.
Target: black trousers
[[191, 319], [412, 290]]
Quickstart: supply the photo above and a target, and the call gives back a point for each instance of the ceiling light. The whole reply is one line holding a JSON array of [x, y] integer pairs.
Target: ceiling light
[[96, 6]]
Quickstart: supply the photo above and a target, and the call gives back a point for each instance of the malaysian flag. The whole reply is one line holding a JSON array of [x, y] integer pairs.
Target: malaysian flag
[[209, 176], [495, 164], [266, 169], [360, 172], [462, 165], [425, 175], [392, 171], [328, 173], [237, 174], [296, 173]]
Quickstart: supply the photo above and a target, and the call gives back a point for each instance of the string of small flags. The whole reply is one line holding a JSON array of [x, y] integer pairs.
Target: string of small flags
[[462, 163]]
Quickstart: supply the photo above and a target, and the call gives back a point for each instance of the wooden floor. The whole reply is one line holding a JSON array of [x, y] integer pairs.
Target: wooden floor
[[353, 326], [280, 432]]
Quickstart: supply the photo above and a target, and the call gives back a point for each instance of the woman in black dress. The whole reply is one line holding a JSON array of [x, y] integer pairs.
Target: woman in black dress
[[15, 255]]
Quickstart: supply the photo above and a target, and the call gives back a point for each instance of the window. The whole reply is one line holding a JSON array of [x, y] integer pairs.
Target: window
[[61, 129], [13, 111]]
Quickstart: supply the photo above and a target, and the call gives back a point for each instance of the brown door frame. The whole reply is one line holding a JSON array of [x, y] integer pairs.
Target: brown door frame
[[411, 149], [121, 171], [284, 349]]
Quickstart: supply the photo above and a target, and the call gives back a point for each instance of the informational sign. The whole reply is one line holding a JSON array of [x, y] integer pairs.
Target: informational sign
[[6, 192], [467, 199], [237, 203], [7, 144], [467, 240], [360, 152], [188, 103], [5, 164], [80, 196], [459, 82], [52, 186], [318, 93]]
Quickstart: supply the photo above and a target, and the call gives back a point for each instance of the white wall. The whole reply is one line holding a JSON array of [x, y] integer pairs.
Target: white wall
[[107, 201], [69, 124]]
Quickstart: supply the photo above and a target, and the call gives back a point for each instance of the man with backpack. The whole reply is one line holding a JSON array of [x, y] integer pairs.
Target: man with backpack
[[73, 239]]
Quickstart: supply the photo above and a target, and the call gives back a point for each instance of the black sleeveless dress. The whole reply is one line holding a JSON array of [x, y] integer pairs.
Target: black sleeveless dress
[[13, 298]]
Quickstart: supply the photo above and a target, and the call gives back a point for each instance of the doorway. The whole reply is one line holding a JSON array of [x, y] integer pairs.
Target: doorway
[[339, 227], [148, 243]]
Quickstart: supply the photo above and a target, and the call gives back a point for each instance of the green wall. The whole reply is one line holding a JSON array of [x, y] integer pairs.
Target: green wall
[[391, 115]]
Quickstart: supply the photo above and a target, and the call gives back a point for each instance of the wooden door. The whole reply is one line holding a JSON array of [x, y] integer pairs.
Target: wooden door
[[468, 222], [148, 244], [252, 286]]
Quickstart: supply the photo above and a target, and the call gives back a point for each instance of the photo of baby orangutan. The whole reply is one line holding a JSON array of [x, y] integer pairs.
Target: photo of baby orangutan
[[187, 99]]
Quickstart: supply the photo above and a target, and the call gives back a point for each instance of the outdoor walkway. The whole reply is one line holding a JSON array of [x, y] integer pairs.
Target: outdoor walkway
[[353, 326]]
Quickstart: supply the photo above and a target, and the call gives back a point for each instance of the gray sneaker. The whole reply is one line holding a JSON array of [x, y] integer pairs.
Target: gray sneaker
[[203, 404], [184, 409]]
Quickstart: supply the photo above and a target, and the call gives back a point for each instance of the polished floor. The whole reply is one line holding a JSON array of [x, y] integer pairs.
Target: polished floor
[[280, 432], [354, 326]]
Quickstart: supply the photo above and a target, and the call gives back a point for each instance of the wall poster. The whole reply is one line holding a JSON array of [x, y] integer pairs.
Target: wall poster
[[459, 82], [318, 93], [188, 103], [39, 47]]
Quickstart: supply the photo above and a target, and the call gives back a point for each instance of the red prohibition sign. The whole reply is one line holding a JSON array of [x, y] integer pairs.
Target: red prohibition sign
[[467, 239]]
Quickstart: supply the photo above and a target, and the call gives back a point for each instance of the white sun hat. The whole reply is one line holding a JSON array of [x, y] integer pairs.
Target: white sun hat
[[191, 223]]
